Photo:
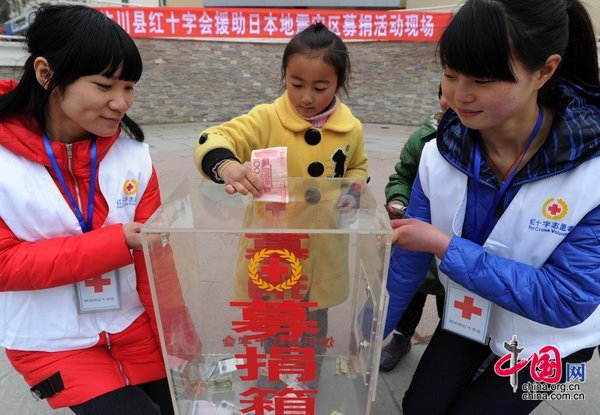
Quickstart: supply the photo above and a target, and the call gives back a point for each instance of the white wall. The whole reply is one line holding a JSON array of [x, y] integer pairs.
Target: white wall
[[12, 54]]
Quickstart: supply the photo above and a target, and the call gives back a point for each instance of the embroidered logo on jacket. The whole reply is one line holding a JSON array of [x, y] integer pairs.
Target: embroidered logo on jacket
[[130, 189], [555, 209]]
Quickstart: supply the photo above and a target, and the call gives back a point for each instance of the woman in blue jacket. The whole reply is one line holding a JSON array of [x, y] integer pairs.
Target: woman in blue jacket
[[507, 200]]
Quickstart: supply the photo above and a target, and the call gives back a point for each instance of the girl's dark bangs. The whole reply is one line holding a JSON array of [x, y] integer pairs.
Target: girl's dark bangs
[[476, 44]]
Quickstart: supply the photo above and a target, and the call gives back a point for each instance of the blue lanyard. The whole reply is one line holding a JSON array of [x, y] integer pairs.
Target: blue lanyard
[[85, 226], [479, 232]]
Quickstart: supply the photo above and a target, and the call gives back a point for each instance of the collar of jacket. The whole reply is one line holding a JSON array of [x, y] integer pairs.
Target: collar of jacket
[[340, 121], [573, 138], [428, 127], [21, 135]]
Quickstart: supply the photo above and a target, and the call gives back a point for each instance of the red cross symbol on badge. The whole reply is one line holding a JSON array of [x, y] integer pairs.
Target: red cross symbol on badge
[[130, 187], [467, 307], [98, 283], [554, 209]]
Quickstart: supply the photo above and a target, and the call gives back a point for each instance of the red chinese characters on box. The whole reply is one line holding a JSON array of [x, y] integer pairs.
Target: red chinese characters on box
[[288, 401], [285, 320], [246, 23], [275, 331]]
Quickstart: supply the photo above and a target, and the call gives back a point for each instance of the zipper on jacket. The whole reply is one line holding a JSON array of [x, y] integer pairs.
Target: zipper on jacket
[[108, 346], [69, 147]]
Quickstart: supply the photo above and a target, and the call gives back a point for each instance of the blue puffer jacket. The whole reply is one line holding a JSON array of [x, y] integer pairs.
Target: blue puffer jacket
[[569, 282]]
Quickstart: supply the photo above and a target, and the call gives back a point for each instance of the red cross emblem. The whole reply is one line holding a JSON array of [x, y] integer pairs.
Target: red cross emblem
[[275, 270], [130, 187], [98, 283], [467, 308], [276, 208], [554, 209]]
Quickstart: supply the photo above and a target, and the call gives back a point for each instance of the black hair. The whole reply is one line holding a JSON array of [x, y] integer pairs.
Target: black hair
[[76, 41], [486, 36], [316, 38], [440, 91]]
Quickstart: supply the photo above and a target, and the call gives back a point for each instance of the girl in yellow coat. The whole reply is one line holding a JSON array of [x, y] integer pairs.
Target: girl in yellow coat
[[322, 136], [323, 140]]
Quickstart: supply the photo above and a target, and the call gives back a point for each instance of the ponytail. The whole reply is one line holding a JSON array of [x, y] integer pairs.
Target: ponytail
[[28, 96], [580, 59]]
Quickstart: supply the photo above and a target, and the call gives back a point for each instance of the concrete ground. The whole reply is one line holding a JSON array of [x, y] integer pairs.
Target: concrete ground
[[171, 146]]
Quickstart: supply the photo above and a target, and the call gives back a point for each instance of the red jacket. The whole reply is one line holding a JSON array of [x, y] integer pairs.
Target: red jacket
[[132, 356]]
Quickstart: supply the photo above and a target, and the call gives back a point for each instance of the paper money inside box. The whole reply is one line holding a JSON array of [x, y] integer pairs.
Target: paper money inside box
[[270, 308]]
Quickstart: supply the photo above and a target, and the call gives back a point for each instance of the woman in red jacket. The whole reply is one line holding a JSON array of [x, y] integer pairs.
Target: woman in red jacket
[[76, 183]]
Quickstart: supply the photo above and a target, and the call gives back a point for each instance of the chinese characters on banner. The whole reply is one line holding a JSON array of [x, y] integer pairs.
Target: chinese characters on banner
[[253, 24]]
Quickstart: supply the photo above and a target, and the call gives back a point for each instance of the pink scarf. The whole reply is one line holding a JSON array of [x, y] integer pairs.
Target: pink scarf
[[320, 119]]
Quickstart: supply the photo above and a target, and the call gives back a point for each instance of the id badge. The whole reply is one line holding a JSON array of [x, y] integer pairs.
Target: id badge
[[99, 293], [466, 314]]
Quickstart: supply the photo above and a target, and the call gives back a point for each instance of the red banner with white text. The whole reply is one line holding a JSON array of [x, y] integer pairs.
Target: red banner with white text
[[243, 24]]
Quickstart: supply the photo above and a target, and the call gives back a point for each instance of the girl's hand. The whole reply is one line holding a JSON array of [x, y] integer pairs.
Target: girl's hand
[[239, 178], [415, 235], [133, 236]]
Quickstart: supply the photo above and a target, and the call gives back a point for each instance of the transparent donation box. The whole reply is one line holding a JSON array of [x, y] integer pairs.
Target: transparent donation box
[[270, 308]]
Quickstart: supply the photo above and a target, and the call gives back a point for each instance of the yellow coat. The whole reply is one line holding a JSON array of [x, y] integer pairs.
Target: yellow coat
[[274, 125], [277, 124]]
